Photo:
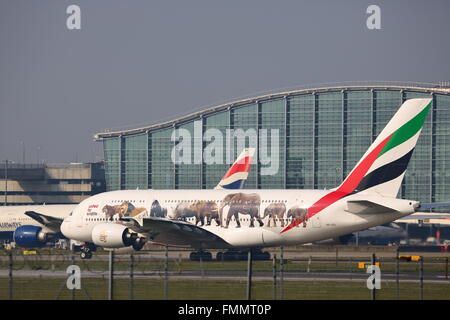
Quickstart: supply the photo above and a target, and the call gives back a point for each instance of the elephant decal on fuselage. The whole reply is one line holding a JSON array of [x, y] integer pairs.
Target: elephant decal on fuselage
[[275, 211], [241, 203], [298, 214], [199, 209]]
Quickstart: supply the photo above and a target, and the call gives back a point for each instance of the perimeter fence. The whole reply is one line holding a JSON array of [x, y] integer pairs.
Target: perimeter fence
[[170, 274]]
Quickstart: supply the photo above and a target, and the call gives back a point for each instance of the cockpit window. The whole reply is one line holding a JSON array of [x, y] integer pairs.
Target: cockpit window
[[70, 214]]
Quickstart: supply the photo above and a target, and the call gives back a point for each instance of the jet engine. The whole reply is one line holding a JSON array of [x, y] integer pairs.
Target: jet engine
[[113, 235], [30, 236]]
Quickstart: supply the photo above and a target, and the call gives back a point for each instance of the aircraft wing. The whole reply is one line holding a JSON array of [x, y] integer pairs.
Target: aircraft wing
[[53, 223], [366, 207], [176, 233]]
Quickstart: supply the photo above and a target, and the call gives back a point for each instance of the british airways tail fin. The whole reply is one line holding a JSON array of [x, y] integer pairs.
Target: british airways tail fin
[[238, 172]]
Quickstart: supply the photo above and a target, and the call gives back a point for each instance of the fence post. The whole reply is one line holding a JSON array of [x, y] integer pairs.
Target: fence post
[[72, 259], [336, 256], [351, 269], [421, 277], [374, 297], [202, 271], [10, 275], [131, 277], [397, 275], [111, 275], [446, 268], [274, 268], [249, 274], [166, 274], [281, 273]]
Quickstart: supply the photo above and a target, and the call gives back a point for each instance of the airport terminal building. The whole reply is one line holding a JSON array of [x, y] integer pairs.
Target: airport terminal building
[[320, 134]]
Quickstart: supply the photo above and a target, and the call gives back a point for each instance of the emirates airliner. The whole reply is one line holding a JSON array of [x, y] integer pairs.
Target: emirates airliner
[[245, 219]]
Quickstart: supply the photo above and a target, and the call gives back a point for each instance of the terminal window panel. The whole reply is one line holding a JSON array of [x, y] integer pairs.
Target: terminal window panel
[[299, 142], [111, 147], [187, 172], [271, 156], [386, 103], [161, 158], [358, 127], [245, 118], [212, 173], [134, 162], [442, 150], [329, 139]]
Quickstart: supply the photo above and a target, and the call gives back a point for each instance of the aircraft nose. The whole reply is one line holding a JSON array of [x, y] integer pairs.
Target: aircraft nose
[[65, 227]]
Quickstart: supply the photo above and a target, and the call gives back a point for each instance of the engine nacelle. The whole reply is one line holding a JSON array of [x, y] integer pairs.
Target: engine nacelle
[[30, 236], [112, 235]]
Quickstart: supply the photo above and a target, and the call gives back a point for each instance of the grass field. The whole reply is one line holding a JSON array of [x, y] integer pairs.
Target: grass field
[[50, 289]]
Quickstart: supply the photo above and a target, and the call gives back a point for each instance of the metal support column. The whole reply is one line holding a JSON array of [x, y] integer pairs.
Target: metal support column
[[432, 150], [274, 273], [281, 273], [421, 277], [10, 275], [315, 111], [149, 159], [257, 169], [111, 276], [286, 110], [166, 274], [374, 259], [249, 274], [6, 183], [131, 277]]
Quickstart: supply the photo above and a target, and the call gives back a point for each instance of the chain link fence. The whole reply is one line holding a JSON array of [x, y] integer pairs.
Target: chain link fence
[[170, 274]]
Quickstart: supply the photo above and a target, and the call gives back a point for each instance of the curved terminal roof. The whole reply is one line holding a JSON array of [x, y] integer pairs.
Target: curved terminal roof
[[443, 88]]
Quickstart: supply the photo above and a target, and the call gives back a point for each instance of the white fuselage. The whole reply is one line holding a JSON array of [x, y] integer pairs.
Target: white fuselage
[[331, 221]]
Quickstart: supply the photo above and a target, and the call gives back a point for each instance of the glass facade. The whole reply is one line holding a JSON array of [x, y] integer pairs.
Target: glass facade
[[312, 138]]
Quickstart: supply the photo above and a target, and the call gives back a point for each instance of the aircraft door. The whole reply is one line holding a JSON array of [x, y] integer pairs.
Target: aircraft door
[[316, 221]]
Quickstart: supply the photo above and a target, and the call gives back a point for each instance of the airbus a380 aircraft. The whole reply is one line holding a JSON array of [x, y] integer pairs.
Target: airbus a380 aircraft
[[35, 225], [366, 198]]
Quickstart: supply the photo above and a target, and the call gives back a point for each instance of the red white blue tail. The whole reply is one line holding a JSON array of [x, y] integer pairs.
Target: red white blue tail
[[238, 173]]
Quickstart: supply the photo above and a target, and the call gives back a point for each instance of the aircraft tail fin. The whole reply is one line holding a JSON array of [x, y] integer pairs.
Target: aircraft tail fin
[[382, 168], [238, 172]]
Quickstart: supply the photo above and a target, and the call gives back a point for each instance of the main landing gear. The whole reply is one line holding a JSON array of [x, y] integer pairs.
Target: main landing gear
[[236, 255], [200, 255], [85, 253]]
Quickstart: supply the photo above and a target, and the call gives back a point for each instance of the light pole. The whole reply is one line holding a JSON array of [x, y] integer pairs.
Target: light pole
[[6, 182], [23, 151]]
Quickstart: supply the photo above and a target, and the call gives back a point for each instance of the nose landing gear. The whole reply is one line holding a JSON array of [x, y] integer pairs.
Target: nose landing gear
[[86, 252]]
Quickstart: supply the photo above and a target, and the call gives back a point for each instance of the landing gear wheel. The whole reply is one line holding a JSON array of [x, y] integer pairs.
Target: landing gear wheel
[[205, 256], [86, 252], [138, 244], [85, 255]]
